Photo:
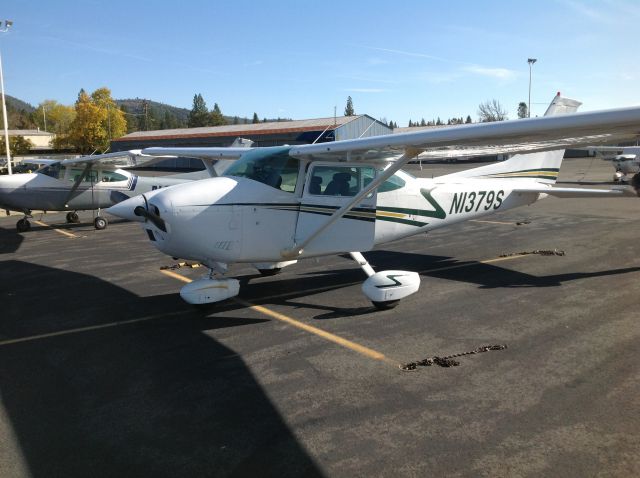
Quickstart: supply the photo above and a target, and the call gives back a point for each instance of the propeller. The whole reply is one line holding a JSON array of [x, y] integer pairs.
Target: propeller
[[153, 216]]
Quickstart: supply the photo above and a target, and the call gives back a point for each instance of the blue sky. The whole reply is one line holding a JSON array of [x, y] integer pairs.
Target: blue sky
[[299, 59]]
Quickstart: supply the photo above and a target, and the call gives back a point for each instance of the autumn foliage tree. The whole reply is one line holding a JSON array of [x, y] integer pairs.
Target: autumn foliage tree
[[98, 119]]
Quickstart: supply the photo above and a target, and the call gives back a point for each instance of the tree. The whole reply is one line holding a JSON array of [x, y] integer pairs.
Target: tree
[[216, 116], [348, 110], [199, 115], [115, 122], [423, 122], [255, 118], [18, 145], [491, 111], [468, 120], [58, 117], [97, 121], [410, 124], [523, 111]]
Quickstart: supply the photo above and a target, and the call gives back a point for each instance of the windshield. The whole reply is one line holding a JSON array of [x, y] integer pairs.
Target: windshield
[[271, 166]]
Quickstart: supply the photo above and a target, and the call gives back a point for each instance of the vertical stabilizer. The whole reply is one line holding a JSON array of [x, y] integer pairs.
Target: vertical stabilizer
[[543, 166]]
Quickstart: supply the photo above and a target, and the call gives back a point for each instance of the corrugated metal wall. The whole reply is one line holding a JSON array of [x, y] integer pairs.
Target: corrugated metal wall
[[355, 128]]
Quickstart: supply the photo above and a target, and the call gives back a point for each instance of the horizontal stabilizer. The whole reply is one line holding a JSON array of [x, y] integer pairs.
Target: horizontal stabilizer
[[579, 192]]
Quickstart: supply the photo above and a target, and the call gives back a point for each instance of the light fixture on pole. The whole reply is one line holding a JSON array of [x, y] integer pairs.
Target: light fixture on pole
[[531, 61], [4, 29]]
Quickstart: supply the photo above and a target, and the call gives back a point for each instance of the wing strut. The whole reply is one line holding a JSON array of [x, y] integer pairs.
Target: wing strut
[[77, 182], [297, 250]]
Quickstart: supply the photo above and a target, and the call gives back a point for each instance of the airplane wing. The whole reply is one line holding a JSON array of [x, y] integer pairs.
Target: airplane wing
[[119, 159], [516, 136], [200, 153]]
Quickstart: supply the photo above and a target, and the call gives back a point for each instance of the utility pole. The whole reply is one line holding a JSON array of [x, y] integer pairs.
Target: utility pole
[[5, 29], [44, 116], [531, 61]]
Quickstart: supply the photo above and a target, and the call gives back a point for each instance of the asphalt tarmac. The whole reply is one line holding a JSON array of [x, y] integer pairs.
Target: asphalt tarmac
[[104, 371]]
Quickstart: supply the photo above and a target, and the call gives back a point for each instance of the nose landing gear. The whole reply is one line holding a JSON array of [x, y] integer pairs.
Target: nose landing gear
[[23, 225]]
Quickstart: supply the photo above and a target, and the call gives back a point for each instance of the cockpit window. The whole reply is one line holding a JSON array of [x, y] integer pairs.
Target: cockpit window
[[271, 166], [54, 170], [112, 177]]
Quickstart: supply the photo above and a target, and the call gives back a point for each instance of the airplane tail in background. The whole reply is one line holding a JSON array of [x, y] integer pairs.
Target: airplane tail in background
[[543, 166]]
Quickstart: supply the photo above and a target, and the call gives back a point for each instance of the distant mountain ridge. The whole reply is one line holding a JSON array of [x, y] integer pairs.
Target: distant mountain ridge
[[136, 106], [17, 104], [158, 115]]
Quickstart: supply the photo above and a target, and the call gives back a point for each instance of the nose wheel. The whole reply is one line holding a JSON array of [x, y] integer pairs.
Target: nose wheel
[[100, 223], [23, 225], [72, 218]]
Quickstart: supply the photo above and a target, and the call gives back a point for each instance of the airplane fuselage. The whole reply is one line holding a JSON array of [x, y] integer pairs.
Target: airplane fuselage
[[37, 191], [211, 221]]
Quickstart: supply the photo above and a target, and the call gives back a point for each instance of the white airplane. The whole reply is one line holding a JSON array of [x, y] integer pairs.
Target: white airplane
[[88, 183], [625, 165], [276, 205]]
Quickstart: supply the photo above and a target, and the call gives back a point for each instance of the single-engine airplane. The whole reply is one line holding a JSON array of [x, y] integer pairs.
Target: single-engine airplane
[[626, 164], [276, 205], [89, 183]]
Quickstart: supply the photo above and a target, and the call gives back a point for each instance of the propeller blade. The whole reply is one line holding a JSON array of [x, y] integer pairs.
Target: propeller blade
[[152, 217]]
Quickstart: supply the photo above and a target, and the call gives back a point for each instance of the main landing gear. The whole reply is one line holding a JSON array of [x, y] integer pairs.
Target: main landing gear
[[100, 222], [385, 288]]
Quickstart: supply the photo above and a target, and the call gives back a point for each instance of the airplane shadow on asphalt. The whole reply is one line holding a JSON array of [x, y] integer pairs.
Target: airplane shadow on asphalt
[[155, 398], [289, 291], [10, 240]]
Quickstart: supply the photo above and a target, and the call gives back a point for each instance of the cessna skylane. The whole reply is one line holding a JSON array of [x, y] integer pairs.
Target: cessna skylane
[[88, 183], [275, 205]]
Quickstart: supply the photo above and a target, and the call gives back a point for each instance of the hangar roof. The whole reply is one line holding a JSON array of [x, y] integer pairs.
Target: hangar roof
[[294, 126]]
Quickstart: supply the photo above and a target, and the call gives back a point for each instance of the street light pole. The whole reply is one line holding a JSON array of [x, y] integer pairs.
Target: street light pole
[[531, 61], [7, 25]]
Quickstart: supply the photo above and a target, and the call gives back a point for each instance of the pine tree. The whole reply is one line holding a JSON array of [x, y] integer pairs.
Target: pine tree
[[198, 116], [468, 121], [348, 110], [410, 124], [423, 122], [255, 118], [216, 116]]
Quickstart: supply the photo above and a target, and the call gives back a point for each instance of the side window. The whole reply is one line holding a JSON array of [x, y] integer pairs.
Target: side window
[[91, 177], [338, 180], [112, 177], [278, 170]]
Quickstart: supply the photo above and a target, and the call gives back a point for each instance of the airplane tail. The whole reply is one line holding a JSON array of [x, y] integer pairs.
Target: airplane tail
[[542, 166]]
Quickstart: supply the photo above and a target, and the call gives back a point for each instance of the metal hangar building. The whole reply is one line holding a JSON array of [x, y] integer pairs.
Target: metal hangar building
[[262, 134]]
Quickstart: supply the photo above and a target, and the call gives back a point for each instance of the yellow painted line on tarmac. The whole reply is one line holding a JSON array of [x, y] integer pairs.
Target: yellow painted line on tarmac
[[88, 328], [361, 349], [175, 275], [493, 222], [65, 233]]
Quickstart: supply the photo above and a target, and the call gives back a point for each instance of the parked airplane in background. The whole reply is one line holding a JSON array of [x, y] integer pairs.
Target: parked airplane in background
[[276, 205], [89, 183], [625, 165]]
